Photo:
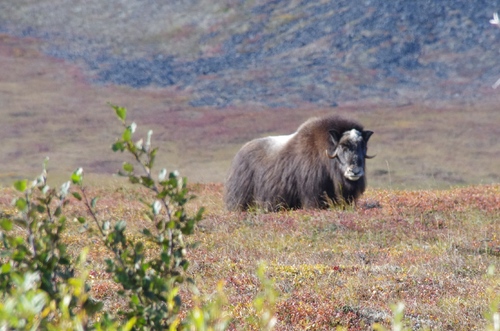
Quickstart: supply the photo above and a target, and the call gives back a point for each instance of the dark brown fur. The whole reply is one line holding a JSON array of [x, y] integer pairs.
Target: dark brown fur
[[297, 175]]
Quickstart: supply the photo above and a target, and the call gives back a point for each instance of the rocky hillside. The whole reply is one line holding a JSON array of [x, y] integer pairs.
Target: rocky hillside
[[277, 53]]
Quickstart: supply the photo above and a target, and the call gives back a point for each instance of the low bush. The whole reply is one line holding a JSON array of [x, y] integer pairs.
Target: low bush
[[43, 287]]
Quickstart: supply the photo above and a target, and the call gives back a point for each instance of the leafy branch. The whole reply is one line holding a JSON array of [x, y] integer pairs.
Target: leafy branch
[[150, 284]]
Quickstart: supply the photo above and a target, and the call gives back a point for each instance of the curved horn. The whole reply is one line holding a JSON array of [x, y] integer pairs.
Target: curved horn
[[369, 156], [331, 156]]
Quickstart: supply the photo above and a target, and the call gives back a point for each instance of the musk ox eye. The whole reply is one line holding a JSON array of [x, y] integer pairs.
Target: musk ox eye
[[346, 145]]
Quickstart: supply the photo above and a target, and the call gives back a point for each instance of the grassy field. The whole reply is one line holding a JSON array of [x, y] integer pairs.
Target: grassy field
[[430, 249], [425, 233]]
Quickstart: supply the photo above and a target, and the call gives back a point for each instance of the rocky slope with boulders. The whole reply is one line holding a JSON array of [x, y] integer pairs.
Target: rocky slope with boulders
[[275, 53]]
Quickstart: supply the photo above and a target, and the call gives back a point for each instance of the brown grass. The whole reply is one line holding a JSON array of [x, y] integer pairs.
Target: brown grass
[[429, 249]]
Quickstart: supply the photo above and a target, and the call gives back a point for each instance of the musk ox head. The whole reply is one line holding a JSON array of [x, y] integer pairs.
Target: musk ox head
[[322, 162], [349, 149]]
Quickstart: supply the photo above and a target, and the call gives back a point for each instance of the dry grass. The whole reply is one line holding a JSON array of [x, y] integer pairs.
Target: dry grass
[[429, 249]]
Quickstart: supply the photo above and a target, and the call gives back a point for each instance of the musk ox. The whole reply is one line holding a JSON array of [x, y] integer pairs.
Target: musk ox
[[322, 163]]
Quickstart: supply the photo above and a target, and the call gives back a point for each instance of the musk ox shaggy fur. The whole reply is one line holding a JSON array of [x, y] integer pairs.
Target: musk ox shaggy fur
[[323, 162]]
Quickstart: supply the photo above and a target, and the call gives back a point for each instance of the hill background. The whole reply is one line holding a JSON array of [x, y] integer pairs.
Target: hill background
[[209, 75]]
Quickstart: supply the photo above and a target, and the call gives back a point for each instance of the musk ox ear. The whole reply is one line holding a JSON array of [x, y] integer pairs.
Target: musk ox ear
[[366, 135]]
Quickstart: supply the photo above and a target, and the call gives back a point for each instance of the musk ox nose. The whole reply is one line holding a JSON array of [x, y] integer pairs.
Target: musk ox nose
[[354, 173]]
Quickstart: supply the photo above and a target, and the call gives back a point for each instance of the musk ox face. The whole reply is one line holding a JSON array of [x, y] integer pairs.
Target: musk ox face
[[349, 150]]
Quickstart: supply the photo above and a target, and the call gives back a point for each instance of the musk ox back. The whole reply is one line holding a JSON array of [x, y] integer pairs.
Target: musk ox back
[[323, 162]]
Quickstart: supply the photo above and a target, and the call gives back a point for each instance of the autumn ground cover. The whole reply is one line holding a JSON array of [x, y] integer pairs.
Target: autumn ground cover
[[430, 249]]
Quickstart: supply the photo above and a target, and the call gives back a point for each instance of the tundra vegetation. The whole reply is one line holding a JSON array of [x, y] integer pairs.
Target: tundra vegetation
[[145, 255]]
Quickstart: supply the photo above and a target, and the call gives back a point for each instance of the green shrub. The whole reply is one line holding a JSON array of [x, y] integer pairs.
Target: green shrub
[[150, 285], [43, 287]]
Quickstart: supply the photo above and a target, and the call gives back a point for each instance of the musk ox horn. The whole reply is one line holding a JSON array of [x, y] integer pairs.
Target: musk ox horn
[[369, 156], [331, 156]]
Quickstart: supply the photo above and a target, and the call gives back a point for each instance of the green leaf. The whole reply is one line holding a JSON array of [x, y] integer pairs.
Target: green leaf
[[120, 112], [93, 203], [134, 179], [21, 185], [6, 224], [130, 324], [19, 255], [58, 211], [153, 152], [139, 247], [118, 146], [76, 178], [152, 157], [81, 220], [165, 257], [199, 215], [77, 196], [21, 204], [127, 135], [92, 306], [148, 182], [120, 225], [135, 299], [163, 193], [146, 232], [41, 209], [6, 268], [128, 167], [62, 221]]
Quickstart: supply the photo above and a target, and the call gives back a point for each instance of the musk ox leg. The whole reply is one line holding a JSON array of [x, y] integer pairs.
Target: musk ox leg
[[314, 203], [239, 191], [237, 197]]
